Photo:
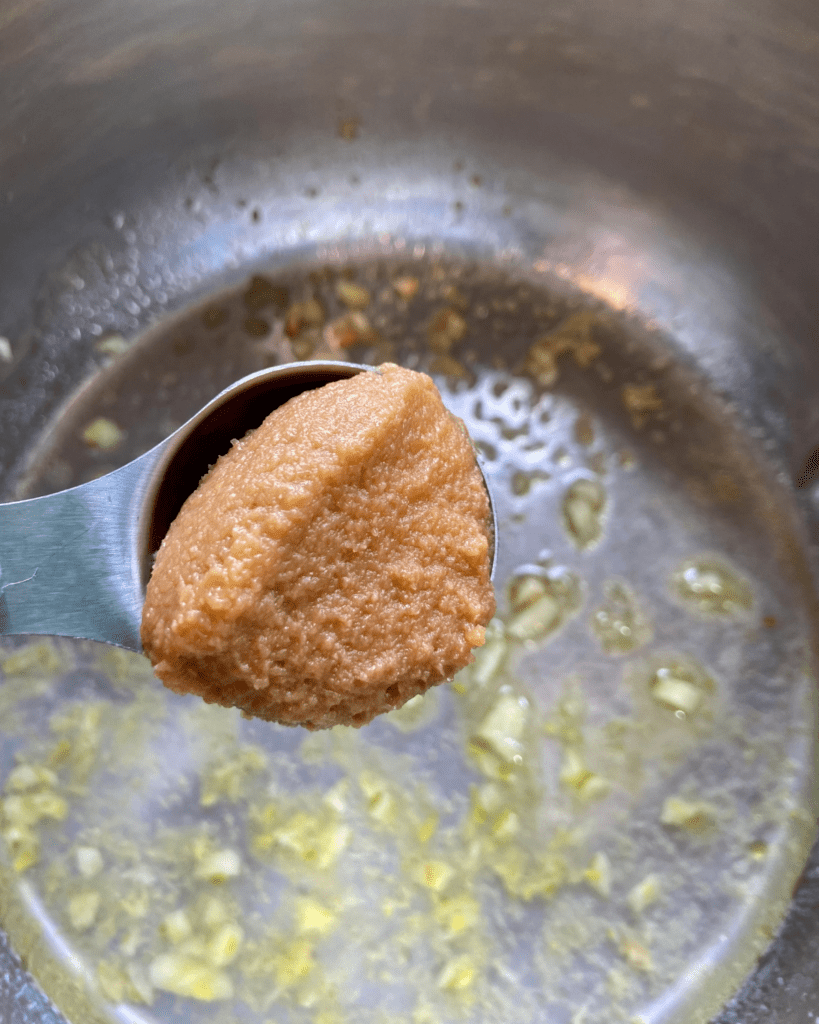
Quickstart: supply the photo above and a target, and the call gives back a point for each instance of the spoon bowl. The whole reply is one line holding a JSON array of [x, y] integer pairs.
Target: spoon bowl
[[77, 563]]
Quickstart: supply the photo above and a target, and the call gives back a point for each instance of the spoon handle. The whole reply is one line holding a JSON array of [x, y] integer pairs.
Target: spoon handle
[[70, 564]]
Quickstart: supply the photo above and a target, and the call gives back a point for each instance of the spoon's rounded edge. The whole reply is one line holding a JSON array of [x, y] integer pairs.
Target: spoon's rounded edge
[[190, 451], [493, 521]]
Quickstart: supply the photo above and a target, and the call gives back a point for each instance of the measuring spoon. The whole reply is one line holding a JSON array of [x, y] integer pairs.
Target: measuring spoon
[[77, 563]]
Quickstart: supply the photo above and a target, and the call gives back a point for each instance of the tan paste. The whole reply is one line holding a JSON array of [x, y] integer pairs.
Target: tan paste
[[333, 564]]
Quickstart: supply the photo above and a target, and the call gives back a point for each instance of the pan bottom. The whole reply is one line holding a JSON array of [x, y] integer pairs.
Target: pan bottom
[[603, 817]]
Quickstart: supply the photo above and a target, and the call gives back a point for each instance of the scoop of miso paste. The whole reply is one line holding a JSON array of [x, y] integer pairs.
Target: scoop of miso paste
[[333, 564]]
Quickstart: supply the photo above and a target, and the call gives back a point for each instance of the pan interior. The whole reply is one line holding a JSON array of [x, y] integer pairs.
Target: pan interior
[[601, 819]]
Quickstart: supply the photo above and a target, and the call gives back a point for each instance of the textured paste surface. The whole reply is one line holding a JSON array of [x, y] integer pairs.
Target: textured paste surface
[[333, 564]]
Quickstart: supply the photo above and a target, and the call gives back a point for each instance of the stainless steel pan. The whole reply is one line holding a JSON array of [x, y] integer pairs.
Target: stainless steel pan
[[661, 159]]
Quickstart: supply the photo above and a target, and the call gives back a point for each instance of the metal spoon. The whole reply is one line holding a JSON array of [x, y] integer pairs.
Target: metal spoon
[[77, 563]]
